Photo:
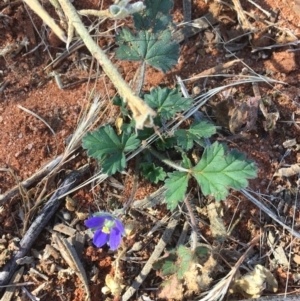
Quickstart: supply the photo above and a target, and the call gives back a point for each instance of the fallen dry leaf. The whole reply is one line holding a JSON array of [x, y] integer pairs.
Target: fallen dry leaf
[[114, 286], [288, 171], [216, 223], [296, 259], [255, 282], [172, 289]]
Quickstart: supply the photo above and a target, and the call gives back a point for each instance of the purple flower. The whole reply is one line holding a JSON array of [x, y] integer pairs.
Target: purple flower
[[108, 230]]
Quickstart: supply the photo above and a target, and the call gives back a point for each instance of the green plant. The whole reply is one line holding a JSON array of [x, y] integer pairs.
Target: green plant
[[217, 171], [183, 269], [177, 261], [152, 43]]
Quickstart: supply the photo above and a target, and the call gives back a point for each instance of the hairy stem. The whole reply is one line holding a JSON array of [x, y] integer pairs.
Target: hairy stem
[[193, 223], [167, 161], [142, 113]]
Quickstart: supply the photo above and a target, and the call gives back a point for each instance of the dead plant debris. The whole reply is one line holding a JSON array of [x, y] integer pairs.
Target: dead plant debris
[[253, 250]]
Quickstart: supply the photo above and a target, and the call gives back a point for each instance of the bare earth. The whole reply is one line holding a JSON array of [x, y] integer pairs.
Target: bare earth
[[27, 48]]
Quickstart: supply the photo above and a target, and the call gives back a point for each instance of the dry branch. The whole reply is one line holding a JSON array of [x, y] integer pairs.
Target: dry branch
[[241, 15], [39, 10], [142, 113], [44, 171]]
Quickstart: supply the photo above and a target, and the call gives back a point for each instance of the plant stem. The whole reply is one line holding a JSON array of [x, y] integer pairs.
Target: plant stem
[[167, 161], [38, 9], [193, 224], [142, 113]]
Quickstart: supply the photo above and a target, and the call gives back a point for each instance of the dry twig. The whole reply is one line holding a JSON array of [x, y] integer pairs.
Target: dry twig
[[219, 291], [214, 70], [155, 255], [37, 226], [69, 254], [241, 15]]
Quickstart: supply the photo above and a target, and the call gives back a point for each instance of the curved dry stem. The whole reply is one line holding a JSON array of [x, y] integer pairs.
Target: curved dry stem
[[142, 113], [42, 120], [40, 11]]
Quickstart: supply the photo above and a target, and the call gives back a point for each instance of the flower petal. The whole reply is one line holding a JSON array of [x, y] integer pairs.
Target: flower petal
[[115, 238], [100, 238], [120, 226], [95, 222]]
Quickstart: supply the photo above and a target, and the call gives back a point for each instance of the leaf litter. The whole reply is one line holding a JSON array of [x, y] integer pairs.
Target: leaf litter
[[260, 151]]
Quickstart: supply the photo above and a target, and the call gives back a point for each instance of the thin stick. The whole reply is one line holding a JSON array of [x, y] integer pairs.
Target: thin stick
[[41, 119], [293, 224], [187, 10], [17, 284], [34, 178], [269, 212], [167, 161], [244, 21], [269, 15], [155, 255], [220, 289], [11, 290], [214, 70], [193, 224]]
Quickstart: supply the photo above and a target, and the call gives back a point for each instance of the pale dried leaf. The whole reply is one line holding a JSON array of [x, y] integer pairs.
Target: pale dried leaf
[[289, 143], [288, 171], [172, 289], [280, 257], [216, 223], [62, 228], [296, 259], [205, 279], [197, 278], [191, 278], [296, 7], [114, 285], [271, 120], [255, 282], [118, 123]]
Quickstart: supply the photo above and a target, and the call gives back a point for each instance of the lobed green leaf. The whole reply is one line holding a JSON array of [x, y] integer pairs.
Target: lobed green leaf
[[185, 257], [167, 263], [167, 102], [218, 171], [155, 17], [106, 146], [152, 172], [156, 49], [197, 131], [169, 267], [176, 186], [167, 143]]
